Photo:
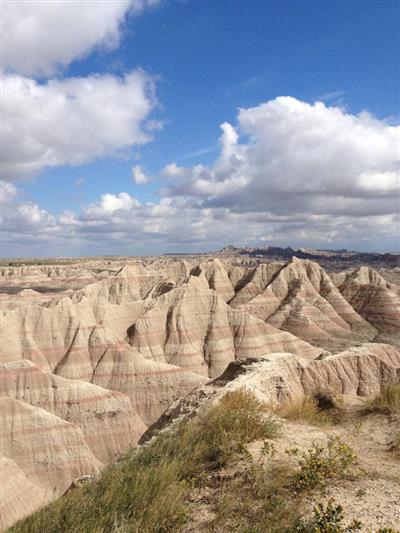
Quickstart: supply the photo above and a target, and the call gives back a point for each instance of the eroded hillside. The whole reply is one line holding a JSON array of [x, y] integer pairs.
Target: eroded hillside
[[93, 354]]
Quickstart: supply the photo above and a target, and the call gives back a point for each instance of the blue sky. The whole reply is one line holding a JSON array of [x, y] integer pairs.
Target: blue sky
[[207, 60]]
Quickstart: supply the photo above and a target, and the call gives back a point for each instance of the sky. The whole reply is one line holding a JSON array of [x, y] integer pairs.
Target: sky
[[143, 127]]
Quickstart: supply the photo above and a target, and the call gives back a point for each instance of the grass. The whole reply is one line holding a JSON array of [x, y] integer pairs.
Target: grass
[[150, 490], [317, 410], [256, 500], [146, 491], [388, 401], [271, 498]]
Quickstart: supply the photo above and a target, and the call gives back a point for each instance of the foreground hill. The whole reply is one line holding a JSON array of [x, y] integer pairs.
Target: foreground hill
[[85, 371]]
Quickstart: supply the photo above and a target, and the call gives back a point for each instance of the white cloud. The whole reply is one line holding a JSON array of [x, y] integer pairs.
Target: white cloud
[[172, 170], [111, 203], [299, 158], [118, 223], [71, 121], [41, 37], [8, 192], [139, 176]]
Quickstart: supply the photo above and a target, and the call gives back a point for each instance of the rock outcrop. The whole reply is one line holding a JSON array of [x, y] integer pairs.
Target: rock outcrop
[[301, 298], [107, 419], [360, 371], [374, 299]]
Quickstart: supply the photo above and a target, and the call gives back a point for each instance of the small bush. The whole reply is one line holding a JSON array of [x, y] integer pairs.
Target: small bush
[[321, 464], [388, 401], [326, 519]]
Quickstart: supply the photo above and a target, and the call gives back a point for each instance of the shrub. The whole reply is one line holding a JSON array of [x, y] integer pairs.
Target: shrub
[[326, 519], [329, 519], [238, 419], [320, 464]]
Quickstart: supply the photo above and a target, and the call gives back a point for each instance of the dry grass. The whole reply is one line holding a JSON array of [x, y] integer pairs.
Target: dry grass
[[309, 411], [388, 401], [257, 500]]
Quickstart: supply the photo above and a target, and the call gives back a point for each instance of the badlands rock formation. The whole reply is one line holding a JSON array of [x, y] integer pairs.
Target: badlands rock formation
[[375, 299], [92, 354]]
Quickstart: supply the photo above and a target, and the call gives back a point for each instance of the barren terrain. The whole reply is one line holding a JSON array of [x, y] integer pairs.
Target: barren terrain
[[95, 352]]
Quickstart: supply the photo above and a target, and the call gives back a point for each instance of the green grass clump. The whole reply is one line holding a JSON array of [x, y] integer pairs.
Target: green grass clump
[[388, 401], [146, 491], [256, 500], [321, 464]]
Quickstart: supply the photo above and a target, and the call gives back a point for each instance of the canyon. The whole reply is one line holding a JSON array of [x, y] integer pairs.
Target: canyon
[[95, 352]]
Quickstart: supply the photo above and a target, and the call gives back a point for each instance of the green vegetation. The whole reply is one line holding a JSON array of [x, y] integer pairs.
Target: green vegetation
[[270, 497], [329, 519], [150, 490], [321, 464], [326, 519], [388, 401], [146, 490]]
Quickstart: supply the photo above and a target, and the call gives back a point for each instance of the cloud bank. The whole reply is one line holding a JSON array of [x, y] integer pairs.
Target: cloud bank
[[288, 172]]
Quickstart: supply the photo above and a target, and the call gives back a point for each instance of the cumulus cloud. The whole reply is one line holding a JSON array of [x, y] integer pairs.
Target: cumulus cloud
[[139, 176], [41, 37], [295, 157], [172, 170], [72, 121], [109, 204]]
